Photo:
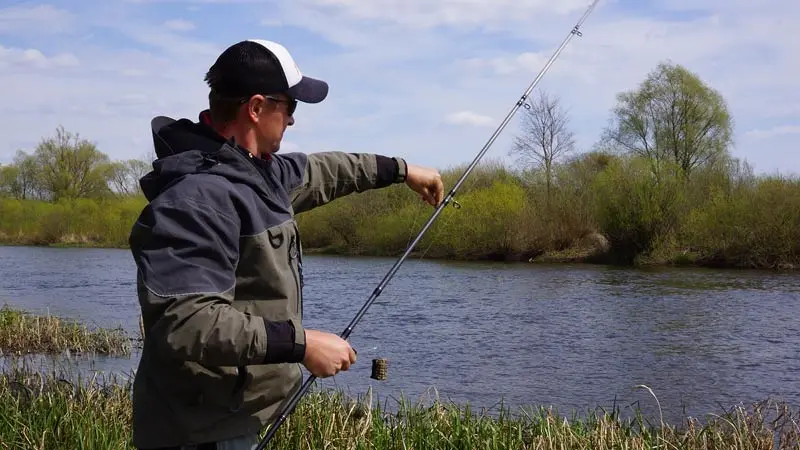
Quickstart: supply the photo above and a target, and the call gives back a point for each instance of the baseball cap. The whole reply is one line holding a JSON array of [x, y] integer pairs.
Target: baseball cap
[[258, 66]]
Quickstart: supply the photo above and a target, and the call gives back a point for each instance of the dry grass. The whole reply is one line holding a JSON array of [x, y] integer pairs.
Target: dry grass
[[23, 333], [40, 410]]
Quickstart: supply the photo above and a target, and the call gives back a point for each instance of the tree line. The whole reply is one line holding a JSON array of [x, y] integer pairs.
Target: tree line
[[67, 166], [658, 186]]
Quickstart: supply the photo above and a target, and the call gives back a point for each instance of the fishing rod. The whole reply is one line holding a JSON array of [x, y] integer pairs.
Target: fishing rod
[[289, 407]]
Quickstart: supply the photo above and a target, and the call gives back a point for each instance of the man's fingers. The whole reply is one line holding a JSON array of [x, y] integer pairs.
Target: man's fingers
[[353, 356], [429, 196]]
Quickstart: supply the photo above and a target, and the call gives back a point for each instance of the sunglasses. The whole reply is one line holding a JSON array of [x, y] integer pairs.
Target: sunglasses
[[291, 102]]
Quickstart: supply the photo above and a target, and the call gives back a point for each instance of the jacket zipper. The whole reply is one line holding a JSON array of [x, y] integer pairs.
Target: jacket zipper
[[296, 240], [300, 281], [249, 159]]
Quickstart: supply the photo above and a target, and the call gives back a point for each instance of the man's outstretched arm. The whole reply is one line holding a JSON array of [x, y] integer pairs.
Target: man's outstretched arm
[[318, 178]]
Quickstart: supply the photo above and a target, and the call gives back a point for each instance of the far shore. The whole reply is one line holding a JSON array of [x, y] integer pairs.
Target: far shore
[[578, 255]]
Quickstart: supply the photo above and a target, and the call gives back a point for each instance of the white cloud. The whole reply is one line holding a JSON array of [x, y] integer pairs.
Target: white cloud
[[427, 14], [179, 25], [777, 131], [401, 71], [109, 98], [40, 19], [469, 118], [31, 58], [734, 50]]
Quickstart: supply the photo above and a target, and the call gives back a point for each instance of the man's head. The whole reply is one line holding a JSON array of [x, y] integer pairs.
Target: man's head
[[255, 86]]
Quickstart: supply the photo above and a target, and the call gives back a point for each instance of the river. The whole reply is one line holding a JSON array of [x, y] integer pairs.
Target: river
[[575, 337]]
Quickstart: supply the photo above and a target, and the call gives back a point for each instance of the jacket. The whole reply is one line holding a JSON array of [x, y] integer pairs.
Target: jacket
[[219, 279]]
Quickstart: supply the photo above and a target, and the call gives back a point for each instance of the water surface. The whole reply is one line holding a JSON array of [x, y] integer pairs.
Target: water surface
[[574, 337]]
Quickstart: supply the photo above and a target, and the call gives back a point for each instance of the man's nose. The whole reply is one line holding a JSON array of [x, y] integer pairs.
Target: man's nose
[[291, 120]]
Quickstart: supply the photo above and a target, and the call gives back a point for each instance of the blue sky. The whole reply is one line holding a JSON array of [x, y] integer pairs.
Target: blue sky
[[427, 81]]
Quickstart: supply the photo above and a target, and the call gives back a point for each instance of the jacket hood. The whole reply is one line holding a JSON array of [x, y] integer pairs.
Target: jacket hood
[[184, 147]]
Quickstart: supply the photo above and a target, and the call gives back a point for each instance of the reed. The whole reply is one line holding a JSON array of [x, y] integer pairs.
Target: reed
[[24, 333], [44, 410]]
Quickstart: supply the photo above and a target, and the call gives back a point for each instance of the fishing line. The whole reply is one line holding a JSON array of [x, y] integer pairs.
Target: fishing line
[[292, 403]]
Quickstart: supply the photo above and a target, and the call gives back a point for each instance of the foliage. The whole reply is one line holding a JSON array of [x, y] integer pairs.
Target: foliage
[[65, 166], [78, 222], [636, 208], [673, 118]]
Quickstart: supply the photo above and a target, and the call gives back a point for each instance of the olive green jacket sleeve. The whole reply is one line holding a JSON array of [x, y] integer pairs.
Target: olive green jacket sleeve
[[317, 178]]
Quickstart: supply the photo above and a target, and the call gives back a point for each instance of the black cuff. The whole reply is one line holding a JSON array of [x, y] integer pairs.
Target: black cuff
[[281, 347], [388, 169]]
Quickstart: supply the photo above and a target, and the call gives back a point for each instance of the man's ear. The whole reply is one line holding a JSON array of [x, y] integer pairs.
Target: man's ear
[[255, 107]]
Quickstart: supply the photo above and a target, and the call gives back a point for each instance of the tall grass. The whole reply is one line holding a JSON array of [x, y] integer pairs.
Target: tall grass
[[602, 208], [48, 410], [23, 333]]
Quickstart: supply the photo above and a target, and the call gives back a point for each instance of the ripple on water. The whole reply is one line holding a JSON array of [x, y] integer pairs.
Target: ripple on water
[[575, 337]]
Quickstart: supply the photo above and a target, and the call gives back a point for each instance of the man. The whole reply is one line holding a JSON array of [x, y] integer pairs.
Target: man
[[219, 256]]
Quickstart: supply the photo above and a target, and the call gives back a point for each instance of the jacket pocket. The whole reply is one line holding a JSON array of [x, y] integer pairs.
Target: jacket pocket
[[198, 394], [282, 267]]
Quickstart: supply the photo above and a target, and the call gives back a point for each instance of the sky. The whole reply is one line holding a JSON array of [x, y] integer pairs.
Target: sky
[[428, 81]]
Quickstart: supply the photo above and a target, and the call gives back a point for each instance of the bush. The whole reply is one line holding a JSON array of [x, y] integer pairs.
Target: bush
[[637, 206]]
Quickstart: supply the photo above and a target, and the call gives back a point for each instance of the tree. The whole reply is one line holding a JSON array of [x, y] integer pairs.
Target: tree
[[545, 136], [70, 167], [124, 176], [20, 179], [8, 181], [672, 116]]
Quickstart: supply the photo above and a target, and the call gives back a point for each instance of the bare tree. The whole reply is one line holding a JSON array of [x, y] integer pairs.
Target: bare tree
[[124, 176], [545, 136]]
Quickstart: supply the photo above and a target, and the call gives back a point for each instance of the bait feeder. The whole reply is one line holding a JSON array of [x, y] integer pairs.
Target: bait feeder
[[379, 369]]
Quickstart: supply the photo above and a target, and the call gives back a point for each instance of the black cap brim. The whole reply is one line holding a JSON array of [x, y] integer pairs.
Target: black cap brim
[[309, 90]]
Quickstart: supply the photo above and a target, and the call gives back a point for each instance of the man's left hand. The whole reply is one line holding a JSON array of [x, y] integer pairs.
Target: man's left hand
[[427, 183]]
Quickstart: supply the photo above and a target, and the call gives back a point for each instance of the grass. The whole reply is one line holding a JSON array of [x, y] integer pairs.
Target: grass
[[43, 410], [24, 333]]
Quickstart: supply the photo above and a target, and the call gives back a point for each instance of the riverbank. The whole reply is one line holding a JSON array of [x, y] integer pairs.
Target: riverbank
[[600, 208], [591, 249], [23, 333], [49, 410]]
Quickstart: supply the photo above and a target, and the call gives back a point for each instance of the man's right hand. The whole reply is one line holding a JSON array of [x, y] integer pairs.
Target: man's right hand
[[327, 354]]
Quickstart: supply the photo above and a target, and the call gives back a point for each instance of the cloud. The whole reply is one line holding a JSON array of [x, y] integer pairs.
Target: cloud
[[15, 59], [401, 72], [461, 13], [179, 25], [469, 118], [773, 132], [39, 19]]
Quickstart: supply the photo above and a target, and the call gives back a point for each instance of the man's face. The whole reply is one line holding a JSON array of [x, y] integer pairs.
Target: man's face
[[276, 115]]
